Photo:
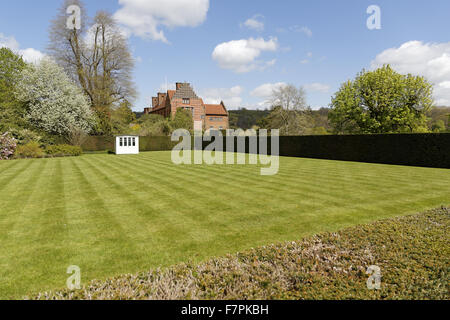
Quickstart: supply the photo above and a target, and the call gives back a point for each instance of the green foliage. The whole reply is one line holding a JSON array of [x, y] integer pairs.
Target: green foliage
[[54, 103], [63, 150], [121, 118], [11, 110], [438, 126], [319, 131], [182, 120], [328, 266], [153, 125], [25, 136], [246, 119], [382, 101], [155, 143], [30, 150], [427, 150], [98, 143]]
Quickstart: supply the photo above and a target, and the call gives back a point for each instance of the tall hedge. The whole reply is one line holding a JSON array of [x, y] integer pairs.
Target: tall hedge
[[426, 150]]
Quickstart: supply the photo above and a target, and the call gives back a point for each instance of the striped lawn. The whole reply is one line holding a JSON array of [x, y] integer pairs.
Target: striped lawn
[[123, 214]]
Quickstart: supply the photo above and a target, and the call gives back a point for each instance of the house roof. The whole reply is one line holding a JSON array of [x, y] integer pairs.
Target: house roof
[[215, 109]]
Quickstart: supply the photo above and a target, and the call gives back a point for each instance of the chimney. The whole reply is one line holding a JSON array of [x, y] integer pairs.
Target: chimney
[[161, 96], [180, 84]]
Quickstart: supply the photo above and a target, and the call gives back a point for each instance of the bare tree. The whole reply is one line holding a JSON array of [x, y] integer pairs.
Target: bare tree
[[289, 112], [97, 57]]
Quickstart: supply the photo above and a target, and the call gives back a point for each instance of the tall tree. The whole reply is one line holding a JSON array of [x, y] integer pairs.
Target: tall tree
[[97, 56], [289, 111], [382, 101], [53, 101], [11, 110]]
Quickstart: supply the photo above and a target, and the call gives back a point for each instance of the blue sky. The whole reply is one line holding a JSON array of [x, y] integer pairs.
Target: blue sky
[[238, 51]]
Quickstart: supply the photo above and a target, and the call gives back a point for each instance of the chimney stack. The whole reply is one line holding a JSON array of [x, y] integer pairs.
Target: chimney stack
[[161, 96], [154, 102]]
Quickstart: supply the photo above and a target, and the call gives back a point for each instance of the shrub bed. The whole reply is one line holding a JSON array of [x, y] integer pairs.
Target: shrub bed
[[412, 252], [30, 150], [64, 150], [8, 146]]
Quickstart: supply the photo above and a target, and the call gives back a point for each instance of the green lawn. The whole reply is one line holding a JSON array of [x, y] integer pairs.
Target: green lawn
[[123, 214]]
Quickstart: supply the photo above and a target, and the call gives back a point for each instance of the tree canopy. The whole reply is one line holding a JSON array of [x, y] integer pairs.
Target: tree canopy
[[11, 110], [382, 101], [97, 56], [53, 102]]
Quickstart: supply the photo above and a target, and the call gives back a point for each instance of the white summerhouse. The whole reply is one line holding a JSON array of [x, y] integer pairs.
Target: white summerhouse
[[127, 144]]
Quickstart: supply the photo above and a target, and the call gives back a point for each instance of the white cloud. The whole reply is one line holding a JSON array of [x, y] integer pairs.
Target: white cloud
[[318, 87], [304, 61], [144, 18], [431, 60], [253, 23], [8, 42], [231, 97], [305, 30], [266, 90], [241, 55], [29, 55]]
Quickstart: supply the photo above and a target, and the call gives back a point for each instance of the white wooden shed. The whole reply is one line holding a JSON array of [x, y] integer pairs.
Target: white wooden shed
[[127, 144]]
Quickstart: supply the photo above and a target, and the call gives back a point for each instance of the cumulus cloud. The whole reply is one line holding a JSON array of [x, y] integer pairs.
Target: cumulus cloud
[[254, 23], [29, 55], [431, 60], [241, 55], [318, 87], [231, 97], [145, 18], [266, 90]]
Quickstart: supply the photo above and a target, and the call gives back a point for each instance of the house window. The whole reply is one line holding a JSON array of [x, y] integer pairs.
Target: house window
[[186, 101], [124, 142], [121, 142], [129, 141], [134, 142]]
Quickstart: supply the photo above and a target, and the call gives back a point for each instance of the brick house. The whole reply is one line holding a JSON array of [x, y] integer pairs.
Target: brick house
[[211, 116]]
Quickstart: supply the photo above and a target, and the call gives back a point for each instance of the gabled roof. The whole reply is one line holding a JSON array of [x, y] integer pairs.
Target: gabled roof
[[216, 110], [185, 91]]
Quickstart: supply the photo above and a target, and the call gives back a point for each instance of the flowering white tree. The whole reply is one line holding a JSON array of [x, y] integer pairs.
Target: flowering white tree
[[55, 104]]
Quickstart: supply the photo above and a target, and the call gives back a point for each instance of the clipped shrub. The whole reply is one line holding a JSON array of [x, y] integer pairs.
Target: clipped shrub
[[64, 150], [8, 146], [30, 150]]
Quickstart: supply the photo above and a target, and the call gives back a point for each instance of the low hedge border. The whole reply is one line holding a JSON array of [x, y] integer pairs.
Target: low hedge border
[[411, 251]]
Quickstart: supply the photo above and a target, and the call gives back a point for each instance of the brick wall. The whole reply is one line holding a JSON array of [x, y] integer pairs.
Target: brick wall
[[216, 122]]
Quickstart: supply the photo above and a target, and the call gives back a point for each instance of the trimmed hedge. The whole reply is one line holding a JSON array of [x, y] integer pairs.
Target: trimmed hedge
[[63, 150], [425, 150], [156, 143], [411, 252], [98, 143]]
